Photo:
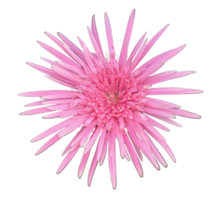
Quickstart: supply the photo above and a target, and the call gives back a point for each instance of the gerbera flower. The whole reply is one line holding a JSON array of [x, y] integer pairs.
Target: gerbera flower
[[109, 99]]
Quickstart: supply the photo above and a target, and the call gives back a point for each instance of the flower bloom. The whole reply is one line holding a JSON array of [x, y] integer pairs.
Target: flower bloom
[[109, 99]]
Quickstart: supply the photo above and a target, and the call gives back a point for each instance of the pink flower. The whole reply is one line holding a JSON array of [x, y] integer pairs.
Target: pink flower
[[109, 98]]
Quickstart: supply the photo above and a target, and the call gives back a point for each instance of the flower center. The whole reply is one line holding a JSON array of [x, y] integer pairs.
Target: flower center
[[112, 94]]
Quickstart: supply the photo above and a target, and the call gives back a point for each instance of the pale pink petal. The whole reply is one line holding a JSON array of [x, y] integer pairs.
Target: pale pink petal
[[101, 143], [169, 77], [36, 111], [56, 53], [153, 131], [79, 121], [168, 150], [61, 82], [183, 113], [64, 106], [67, 159], [133, 155], [46, 92], [153, 41], [136, 48], [83, 164], [170, 121], [109, 38], [56, 101], [95, 45], [122, 58], [112, 158], [105, 145], [53, 140], [168, 91], [72, 46], [53, 129], [156, 112], [152, 65], [164, 102], [86, 134], [36, 103], [53, 115], [92, 139], [92, 167]]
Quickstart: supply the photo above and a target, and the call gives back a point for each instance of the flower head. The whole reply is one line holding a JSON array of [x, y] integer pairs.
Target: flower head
[[109, 99]]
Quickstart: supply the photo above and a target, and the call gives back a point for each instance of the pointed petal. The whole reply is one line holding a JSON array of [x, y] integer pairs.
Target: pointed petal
[[53, 129], [157, 112], [35, 111], [126, 40], [109, 38], [67, 159], [72, 46], [95, 33], [77, 122], [112, 158], [46, 92], [101, 143], [83, 164], [153, 41], [56, 53], [155, 63], [49, 143], [105, 145], [92, 168], [170, 91], [133, 155], [169, 77], [136, 48]]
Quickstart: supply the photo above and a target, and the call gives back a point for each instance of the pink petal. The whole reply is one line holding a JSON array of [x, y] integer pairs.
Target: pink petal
[[112, 158], [72, 46], [79, 121], [169, 77], [95, 45], [92, 168], [133, 155], [109, 38], [92, 139], [101, 143], [168, 91], [59, 107], [67, 159], [157, 112], [35, 111], [153, 131], [168, 121], [53, 115], [61, 82], [127, 37], [95, 33], [153, 41], [163, 102], [83, 164], [49, 143], [56, 53], [53, 129], [183, 113], [102, 158], [46, 92], [86, 134], [168, 150], [136, 48], [155, 63]]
